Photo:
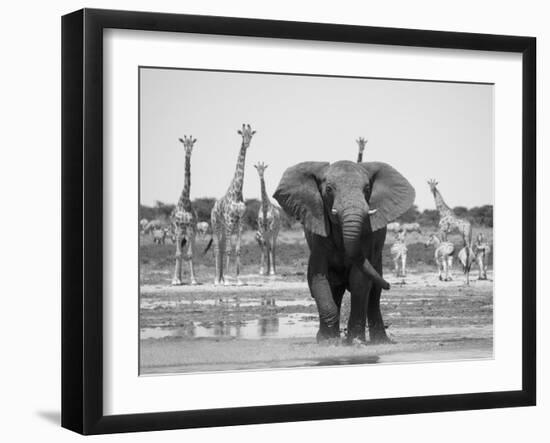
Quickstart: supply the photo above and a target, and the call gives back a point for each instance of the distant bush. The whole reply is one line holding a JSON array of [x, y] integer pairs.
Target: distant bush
[[429, 217], [411, 216], [460, 211], [480, 216], [203, 208]]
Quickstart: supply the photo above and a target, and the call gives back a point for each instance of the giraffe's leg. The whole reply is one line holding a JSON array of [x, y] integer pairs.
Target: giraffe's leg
[[216, 241], [273, 244], [270, 258], [176, 280], [267, 254], [219, 248], [262, 257], [228, 248], [190, 248], [396, 266], [238, 252], [440, 269], [404, 264]]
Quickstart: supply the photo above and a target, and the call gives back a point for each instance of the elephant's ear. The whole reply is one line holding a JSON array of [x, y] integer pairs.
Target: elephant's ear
[[391, 193], [299, 195]]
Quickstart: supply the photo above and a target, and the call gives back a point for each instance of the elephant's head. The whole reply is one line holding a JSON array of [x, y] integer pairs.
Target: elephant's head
[[356, 197]]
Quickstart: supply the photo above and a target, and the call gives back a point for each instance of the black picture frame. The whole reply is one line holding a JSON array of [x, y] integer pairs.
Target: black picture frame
[[82, 218]]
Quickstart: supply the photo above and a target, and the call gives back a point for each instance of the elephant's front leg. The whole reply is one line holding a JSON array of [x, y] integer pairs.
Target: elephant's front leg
[[329, 314], [360, 287], [377, 328]]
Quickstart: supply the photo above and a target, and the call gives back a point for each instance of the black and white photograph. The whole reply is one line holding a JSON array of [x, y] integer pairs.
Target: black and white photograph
[[298, 221]]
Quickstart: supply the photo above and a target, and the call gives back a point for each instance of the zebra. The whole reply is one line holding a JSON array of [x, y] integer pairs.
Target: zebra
[[399, 252], [481, 251], [443, 255]]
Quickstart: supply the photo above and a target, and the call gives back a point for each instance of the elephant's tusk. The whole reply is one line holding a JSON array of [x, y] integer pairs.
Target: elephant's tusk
[[372, 211], [334, 211]]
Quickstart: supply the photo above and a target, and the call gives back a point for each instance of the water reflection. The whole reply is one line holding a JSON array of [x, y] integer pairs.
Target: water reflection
[[229, 301], [268, 326], [288, 326], [268, 300]]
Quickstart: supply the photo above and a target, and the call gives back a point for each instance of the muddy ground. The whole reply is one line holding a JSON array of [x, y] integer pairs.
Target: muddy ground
[[272, 321]]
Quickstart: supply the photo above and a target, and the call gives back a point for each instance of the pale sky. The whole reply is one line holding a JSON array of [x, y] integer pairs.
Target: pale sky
[[424, 129]]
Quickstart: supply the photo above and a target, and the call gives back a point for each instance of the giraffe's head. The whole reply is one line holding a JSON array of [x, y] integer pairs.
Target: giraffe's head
[[261, 167], [361, 142], [433, 185], [246, 133], [188, 143]]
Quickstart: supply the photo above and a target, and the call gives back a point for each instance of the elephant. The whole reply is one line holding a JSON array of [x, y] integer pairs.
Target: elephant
[[344, 208]]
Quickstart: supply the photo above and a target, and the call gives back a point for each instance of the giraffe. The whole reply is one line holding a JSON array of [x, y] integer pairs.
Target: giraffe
[[269, 224], [449, 222], [183, 219], [227, 214], [443, 255], [361, 142], [481, 250], [399, 252]]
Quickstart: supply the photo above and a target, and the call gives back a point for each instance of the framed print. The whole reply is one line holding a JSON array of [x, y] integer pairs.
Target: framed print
[[269, 221]]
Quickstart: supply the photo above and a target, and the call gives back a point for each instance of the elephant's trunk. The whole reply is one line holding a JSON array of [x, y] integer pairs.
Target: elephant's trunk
[[352, 227], [368, 269]]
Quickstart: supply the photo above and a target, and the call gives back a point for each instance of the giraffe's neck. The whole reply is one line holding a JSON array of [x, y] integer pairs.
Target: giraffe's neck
[[235, 191], [441, 205], [360, 157], [184, 201], [265, 199]]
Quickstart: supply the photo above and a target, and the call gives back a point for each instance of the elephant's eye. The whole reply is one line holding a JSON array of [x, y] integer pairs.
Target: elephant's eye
[[329, 189]]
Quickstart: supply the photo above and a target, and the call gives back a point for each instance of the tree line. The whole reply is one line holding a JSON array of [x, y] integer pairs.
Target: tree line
[[479, 215], [203, 208]]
